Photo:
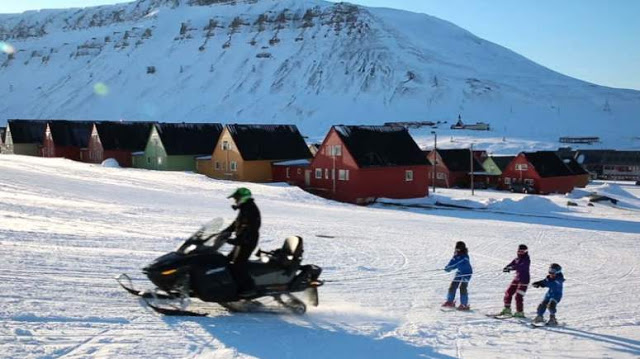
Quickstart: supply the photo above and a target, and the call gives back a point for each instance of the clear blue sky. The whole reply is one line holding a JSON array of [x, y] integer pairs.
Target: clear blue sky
[[593, 40]]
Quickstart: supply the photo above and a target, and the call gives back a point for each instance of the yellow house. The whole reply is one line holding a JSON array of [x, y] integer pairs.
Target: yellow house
[[246, 152]]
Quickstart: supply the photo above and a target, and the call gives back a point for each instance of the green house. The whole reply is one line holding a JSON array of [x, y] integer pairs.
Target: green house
[[494, 165], [174, 146]]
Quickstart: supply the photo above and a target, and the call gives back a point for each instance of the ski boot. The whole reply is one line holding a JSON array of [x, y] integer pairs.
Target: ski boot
[[505, 312], [464, 307], [449, 304], [518, 315], [538, 319], [552, 321]]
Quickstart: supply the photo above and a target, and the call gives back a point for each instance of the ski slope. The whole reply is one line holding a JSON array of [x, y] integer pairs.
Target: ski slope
[[67, 228]]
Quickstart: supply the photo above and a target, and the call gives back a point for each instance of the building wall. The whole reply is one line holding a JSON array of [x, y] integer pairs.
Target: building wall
[[180, 163], [561, 184], [123, 157], [581, 180], [564, 184], [222, 158], [155, 156], [205, 167], [27, 149], [95, 151], [362, 185], [293, 174]]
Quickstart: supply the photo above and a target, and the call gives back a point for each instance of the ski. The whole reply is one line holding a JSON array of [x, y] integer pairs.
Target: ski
[[174, 311], [545, 325], [140, 293]]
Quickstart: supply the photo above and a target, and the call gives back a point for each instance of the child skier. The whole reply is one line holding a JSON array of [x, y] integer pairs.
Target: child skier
[[519, 284], [460, 261], [554, 281]]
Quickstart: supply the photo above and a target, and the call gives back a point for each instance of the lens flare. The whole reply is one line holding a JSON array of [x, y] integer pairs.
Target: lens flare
[[7, 48], [101, 89]]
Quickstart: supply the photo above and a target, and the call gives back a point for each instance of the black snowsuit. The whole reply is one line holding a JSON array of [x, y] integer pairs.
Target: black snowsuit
[[246, 226]]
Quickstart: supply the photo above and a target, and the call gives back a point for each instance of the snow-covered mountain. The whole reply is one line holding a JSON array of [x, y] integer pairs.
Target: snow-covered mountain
[[308, 62]]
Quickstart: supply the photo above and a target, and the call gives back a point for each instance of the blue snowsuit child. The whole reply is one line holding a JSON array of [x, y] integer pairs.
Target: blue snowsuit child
[[460, 261], [554, 281]]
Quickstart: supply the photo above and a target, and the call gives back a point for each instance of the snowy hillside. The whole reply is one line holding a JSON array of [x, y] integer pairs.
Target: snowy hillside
[[67, 228], [307, 62]]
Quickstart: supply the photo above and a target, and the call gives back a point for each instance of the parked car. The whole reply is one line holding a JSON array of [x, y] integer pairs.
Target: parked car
[[637, 183], [522, 188]]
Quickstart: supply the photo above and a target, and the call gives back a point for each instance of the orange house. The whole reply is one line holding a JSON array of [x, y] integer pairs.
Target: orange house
[[246, 152]]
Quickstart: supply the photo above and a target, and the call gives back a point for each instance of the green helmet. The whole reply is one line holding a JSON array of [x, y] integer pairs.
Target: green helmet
[[241, 195]]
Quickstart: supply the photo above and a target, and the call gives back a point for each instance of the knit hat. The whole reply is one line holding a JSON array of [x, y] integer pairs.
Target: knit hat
[[461, 245], [523, 247]]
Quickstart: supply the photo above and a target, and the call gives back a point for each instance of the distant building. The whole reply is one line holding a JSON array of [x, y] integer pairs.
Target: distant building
[[543, 171], [25, 137], [175, 146], [610, 164], [453, 167], [246, 152], [494, 166], [117, 140], [358, 164], [66, 139]]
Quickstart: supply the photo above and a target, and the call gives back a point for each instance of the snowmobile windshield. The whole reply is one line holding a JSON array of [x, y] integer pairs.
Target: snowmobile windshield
[[203, 236]]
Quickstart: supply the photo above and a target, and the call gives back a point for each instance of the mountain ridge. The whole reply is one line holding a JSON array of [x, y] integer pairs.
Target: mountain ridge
[[312, 63]]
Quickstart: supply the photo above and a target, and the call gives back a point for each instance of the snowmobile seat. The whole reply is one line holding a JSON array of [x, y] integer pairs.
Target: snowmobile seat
[[290, 255]]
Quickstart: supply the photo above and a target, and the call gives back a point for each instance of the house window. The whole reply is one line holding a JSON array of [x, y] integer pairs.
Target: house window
[[318, 173], [217, 165], [148, 160], [408, 176], [326, 173], [336, 150], [441, 175], [521, 167], [299, 171], [233, 166], [287, 172], [507, 180], [226, 145], [343, 175], [159, 160]]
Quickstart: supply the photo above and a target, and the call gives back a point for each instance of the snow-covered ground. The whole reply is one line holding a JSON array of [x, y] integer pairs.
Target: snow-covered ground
[[66, 229]]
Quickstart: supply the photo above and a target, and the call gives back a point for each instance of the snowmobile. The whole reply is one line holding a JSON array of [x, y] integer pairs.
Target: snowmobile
[[197, 269]]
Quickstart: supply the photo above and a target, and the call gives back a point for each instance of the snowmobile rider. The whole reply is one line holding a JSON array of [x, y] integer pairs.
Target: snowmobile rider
[[246, 227]]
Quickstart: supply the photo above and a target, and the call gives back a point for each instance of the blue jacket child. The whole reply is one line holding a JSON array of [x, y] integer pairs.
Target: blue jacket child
[[554, 282], [462, 264]]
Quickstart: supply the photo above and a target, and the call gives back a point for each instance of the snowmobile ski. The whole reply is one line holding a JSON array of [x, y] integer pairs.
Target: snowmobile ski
[[140, 293], [173, 311]]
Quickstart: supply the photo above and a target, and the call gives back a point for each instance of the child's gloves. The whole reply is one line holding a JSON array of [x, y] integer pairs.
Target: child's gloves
[[506, 269], [537, 284]]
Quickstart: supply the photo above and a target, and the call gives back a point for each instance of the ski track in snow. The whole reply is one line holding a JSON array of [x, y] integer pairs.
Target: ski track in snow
[[66, 229]]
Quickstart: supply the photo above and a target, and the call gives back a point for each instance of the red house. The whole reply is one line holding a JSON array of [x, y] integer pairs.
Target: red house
[[66, 138], [543, 171], [358, 164], [453, 167], [294, 172], [116, 140]]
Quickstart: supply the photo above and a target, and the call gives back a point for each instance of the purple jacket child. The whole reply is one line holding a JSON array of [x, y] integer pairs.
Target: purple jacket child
[[520, 282]]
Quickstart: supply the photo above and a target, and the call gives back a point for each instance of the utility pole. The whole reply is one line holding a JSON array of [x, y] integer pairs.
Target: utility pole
[[435, 158], [471, 159]]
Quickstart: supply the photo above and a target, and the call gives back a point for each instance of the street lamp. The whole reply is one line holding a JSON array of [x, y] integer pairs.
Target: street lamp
[[471, 161], [435, 158]]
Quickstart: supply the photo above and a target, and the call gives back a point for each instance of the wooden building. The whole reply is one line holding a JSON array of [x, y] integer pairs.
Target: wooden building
[[24, 137], [175, 146], [543, 171], [66, 139], [358, 164], [610, 164], [453, 167], [117, 140], [246, 152]]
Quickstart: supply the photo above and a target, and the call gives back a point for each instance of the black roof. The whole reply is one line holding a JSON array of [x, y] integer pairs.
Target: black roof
[[70, 133], [547, 164], [381, 146], [189, 138], [574, 166], [27, 131], [128, 136], [502, 161], [269, 142], [459, 160], [608, 157]]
